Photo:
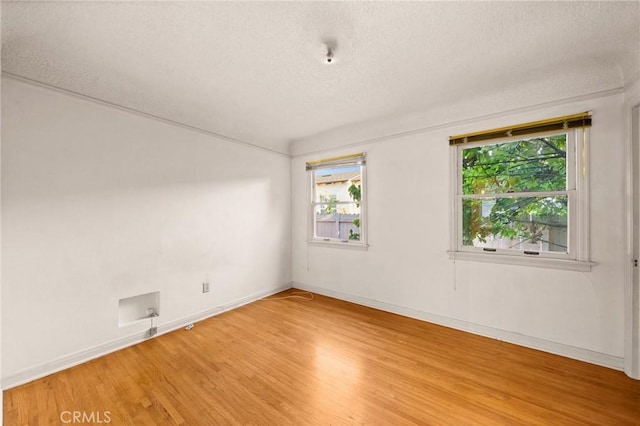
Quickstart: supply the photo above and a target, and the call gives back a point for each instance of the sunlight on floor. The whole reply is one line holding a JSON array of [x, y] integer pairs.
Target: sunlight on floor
[[338, 373]]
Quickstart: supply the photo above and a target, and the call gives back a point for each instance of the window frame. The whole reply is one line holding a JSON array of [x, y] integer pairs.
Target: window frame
[[577, 192], [336, 242]]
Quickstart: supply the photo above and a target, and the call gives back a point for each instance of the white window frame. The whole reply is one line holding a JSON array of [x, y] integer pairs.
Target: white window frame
[[577, 192], [360, 244]]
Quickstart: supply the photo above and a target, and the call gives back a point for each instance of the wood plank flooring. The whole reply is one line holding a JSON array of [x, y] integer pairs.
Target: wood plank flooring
[[327, 362]]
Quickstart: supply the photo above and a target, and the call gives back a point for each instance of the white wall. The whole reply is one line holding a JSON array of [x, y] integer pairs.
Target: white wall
[[632, 294], [100, 204], [407, 269], [1, 387]]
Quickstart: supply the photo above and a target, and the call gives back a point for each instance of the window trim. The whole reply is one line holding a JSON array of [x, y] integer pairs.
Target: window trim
[[538, 262], [578, 216], [359, 160]]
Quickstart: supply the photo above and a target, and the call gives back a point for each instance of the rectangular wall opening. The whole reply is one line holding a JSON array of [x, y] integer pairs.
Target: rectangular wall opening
[[138, 308]]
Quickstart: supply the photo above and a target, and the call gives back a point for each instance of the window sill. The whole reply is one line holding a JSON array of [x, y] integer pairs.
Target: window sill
[[349, 245], [538, 262]]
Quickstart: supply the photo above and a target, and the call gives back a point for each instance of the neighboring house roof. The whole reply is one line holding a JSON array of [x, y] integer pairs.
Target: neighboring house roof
[[338, 177]]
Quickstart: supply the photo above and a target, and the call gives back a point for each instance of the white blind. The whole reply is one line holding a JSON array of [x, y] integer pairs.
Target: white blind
[[344, 160], [581, 120]]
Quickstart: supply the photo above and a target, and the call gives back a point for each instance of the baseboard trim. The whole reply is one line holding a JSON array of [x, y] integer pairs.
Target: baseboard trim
[[586, 355], [88, 354]]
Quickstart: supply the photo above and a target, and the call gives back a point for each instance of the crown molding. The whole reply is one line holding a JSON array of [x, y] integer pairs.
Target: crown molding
[[139, 113]]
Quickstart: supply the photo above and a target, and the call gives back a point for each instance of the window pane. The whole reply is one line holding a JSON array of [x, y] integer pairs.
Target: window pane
[[519, 223], [337, 184], [340, 221], [532, 165]]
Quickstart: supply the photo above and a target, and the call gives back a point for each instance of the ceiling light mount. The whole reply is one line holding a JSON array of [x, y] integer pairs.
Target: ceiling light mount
[[329, 50], [329, 56]]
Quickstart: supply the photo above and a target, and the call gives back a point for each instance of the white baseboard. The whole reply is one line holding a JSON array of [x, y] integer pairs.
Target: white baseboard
[[605, 360], [88, 354]]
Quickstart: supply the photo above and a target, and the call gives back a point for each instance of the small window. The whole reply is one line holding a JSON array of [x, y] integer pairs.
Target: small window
[[337, 200], [522, 196]]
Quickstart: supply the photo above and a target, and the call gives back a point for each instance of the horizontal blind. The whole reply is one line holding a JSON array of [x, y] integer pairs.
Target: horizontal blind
[[559, 123], [345, 160]]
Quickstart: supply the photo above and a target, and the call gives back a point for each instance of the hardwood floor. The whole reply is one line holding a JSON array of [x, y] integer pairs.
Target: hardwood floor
[[326, 362]]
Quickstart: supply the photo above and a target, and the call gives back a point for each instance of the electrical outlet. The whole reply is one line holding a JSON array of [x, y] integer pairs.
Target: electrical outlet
[[153, 331], [205, 287]]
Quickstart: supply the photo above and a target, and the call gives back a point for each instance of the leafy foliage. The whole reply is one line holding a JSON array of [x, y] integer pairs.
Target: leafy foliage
[[525, 166], [355, 192], [330, 207]]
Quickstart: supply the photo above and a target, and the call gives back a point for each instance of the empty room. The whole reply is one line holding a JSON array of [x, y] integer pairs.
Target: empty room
[[320, 213]]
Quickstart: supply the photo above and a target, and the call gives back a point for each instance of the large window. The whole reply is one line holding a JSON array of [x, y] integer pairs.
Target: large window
[[523, 195], [337, 200]]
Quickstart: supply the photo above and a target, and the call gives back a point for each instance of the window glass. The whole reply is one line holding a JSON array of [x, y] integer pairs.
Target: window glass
[[520, 223], [340, 222], [532, 165], [337, 203], [332, 184], [515, 195]]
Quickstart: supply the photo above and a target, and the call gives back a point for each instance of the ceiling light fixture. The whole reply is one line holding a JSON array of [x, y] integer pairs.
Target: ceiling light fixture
[[329, 48], [329, 56]]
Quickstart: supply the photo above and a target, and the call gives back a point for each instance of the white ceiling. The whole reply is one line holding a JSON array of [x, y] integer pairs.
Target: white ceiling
[[254, 71]]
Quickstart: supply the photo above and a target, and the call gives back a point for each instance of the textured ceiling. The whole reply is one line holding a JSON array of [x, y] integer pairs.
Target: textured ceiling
[[254, 71]]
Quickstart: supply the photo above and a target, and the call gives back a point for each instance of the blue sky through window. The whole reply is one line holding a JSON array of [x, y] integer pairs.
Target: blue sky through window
[[334, 170]]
